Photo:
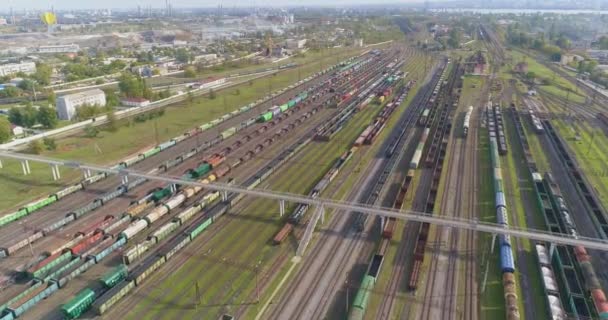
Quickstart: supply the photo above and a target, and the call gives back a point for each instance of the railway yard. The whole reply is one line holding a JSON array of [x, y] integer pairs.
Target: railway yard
[[385, 128]]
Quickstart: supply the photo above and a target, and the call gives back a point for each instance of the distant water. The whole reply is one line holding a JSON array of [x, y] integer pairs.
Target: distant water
[[523, 11]]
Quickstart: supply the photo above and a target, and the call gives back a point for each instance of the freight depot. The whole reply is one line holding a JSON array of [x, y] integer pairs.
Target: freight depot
[[197, 171]]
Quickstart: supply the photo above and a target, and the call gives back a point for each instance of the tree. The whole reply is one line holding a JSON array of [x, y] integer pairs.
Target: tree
[[10, 92], [112, 99], [51, 97], [133, 87], [182, 55], [112, 123], [90, 131], [530, 76], [211, 94], [35, 146], [25, 116], [27, 85], [603, 43], [237, 91], [43, 74], [5, 130], [49, 143], [190, 72], [47, 117]]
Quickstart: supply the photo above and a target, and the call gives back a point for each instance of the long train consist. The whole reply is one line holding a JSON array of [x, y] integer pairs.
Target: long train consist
[[23, 305], [507, 262]]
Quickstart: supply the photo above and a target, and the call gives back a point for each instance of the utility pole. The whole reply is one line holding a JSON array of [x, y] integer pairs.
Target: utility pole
[[591, 141], [197, 301]]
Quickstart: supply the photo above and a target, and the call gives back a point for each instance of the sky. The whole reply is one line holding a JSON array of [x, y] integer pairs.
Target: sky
[[88, 4]]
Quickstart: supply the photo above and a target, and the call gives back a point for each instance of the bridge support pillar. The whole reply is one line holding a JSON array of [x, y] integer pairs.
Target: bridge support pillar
[[125, 179], [1, 166], [173, 188], [281, 207], [493, 242], [309, 230], [55, 171], [224, 196], [25, 167], [86, 173]]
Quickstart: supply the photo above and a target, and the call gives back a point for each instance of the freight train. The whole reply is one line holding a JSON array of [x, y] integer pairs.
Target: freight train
[[591, 280], [507, 262]]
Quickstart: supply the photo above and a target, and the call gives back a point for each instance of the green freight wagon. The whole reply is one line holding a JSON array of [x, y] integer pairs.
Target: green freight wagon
[[114, 276], [265, 117], [284, 107], [79, 304], [200, 228], [363, 294], [158, 195]]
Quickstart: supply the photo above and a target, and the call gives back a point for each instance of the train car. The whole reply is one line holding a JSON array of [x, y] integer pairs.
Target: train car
[[79, 304]]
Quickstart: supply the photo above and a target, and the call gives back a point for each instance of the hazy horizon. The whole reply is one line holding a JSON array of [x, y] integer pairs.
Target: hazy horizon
[[126, 4]]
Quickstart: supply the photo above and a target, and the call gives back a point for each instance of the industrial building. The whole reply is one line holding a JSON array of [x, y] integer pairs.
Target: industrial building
[[64, 48], [295, 44], [67, 105], [12, 68]]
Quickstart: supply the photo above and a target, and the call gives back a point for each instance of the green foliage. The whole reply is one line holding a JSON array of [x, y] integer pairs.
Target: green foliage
[[190, 72], [43, 74], [5, 130], [10, 92], [47, 117], [27, 85], [603, 43], [112, 125], [51, 97], [212, 94], [182, 55], [35, 147], [133, 87], [87, 111], [112, 99], [530, 75], [90, 131], [25, 116], [49, 143]]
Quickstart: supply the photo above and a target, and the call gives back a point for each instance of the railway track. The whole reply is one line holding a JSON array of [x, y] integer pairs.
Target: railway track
[[322, 284], [399, 269], [452, 202], [260, 139]]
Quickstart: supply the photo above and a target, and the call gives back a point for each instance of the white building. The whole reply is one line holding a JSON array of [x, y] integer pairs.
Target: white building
[[135, 102], [63, 48], [295, 44], [67, 105], [358, 42], [11, 68], [210, 57]]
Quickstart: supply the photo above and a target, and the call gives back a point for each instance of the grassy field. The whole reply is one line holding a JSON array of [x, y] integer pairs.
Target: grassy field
[[109, 147], [589, 152], [559, 86]]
